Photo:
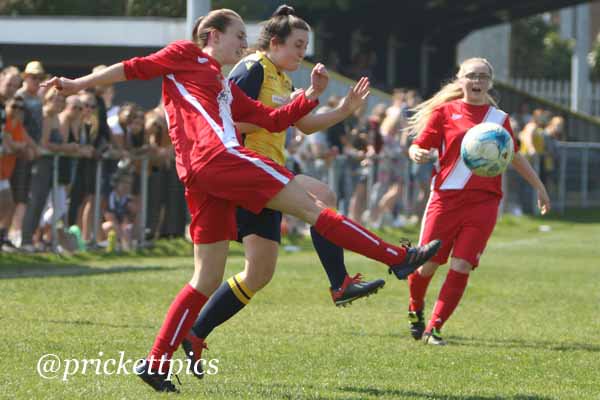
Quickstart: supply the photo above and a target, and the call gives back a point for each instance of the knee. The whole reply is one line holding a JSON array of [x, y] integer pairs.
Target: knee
[[329, 198], [461, 266], [257, 275]]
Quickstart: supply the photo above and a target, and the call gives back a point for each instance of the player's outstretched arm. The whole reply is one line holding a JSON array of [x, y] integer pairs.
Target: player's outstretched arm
[[246, 109], [114, 73], [524, 169], [356, 97]]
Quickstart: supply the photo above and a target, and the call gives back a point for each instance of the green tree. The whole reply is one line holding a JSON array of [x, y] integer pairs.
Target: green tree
[[594, 59], [538, 51]]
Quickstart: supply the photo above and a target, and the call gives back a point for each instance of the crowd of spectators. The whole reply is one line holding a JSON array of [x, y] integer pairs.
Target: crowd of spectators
[[364, 159], [84, 130], [538, 133]]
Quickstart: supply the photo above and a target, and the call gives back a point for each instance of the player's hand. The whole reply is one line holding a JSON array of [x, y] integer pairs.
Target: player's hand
[[543, 201], [357, 95], [319, 78], [419, 155], [65, 86]]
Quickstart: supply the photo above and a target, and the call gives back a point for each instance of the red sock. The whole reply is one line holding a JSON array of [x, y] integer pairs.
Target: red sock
[[452, 290], [417, 285], [179, 320], [348, 234]]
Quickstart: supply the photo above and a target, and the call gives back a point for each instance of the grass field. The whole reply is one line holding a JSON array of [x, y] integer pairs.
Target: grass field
[[527, 328]]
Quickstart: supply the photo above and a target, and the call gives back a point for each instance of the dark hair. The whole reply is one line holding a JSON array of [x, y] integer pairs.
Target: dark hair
[[215, 20], [280, 26]]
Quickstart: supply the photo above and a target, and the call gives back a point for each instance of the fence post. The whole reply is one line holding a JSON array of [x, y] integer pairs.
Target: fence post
[[407, 189], [97, 197], [144, 203], [503, 202], [537, 166], [562, 179], [585, 157], [54, 221]]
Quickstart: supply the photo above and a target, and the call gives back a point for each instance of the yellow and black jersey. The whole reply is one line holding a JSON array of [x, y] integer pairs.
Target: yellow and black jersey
[[260, 79]]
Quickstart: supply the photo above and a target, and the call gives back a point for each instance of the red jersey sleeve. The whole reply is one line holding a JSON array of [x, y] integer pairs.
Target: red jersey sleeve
[[163, 62], [432, 134], [245, 109]]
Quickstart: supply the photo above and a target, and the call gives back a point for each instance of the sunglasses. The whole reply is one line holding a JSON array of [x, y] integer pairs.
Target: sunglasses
[[78, 108], [88, 105], [18, 107]]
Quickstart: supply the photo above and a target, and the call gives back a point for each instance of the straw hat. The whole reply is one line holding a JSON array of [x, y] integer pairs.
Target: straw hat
[[34, 68]]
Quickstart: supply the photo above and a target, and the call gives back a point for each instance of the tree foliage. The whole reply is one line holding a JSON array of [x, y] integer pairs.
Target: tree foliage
[[538, 51], [151, 8]]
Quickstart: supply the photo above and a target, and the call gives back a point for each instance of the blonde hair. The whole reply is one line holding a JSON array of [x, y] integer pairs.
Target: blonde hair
[[94, 120], [450, 91]]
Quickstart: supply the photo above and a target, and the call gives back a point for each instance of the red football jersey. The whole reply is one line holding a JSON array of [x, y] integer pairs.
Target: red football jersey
[[201, 104], [445, 130]]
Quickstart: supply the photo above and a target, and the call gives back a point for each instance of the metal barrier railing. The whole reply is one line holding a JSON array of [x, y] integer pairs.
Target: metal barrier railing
[[570, 184], [96, 221]]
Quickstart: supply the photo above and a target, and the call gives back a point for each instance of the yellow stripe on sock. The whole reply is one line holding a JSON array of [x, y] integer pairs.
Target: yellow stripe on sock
[[243, 285], [236, 291]]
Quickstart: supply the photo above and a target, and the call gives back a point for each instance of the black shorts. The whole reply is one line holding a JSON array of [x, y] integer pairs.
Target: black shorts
[[267, 224], [20, 181]]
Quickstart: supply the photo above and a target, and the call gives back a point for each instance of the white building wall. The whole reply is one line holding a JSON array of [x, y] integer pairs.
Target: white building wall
[[492, 43]]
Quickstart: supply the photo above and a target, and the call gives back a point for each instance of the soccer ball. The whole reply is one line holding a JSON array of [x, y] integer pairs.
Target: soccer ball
[[487, 149]]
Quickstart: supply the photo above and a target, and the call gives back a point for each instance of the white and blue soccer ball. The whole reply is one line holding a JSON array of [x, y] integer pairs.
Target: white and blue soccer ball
[[487, 149]]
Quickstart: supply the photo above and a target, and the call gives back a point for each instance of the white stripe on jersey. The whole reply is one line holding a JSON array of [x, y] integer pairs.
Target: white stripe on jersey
[[228, 136], [260, 164], [424, 220], [460, 174]]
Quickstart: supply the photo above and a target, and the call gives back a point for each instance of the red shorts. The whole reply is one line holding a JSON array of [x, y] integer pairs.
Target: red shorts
[[463, 220], [236, 177]]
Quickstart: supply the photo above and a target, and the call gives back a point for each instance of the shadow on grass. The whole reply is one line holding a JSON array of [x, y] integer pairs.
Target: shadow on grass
[[83, 322], [276, 390], [409, 393], [522, 344], [578, 215], [61, 270]]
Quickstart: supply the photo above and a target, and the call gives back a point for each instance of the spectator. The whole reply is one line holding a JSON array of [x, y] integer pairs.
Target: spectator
[[21, 181], [553, 133], [70, 126], [392, 167], [14, 142], [358, 201], [120, 212], [41, 180], [10, 82], [161, 161], [84, 180], [531, 140], [398, 106], [33, 75]]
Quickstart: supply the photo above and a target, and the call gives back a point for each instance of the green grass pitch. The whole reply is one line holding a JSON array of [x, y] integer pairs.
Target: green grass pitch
[[528, 326]]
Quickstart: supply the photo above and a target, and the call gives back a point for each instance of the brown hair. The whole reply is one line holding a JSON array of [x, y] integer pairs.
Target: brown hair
[[280, 26], [215, 20]]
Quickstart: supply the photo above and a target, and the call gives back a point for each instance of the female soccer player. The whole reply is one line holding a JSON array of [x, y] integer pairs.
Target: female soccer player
[[219, 174], [261, 75], [462, 207]]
